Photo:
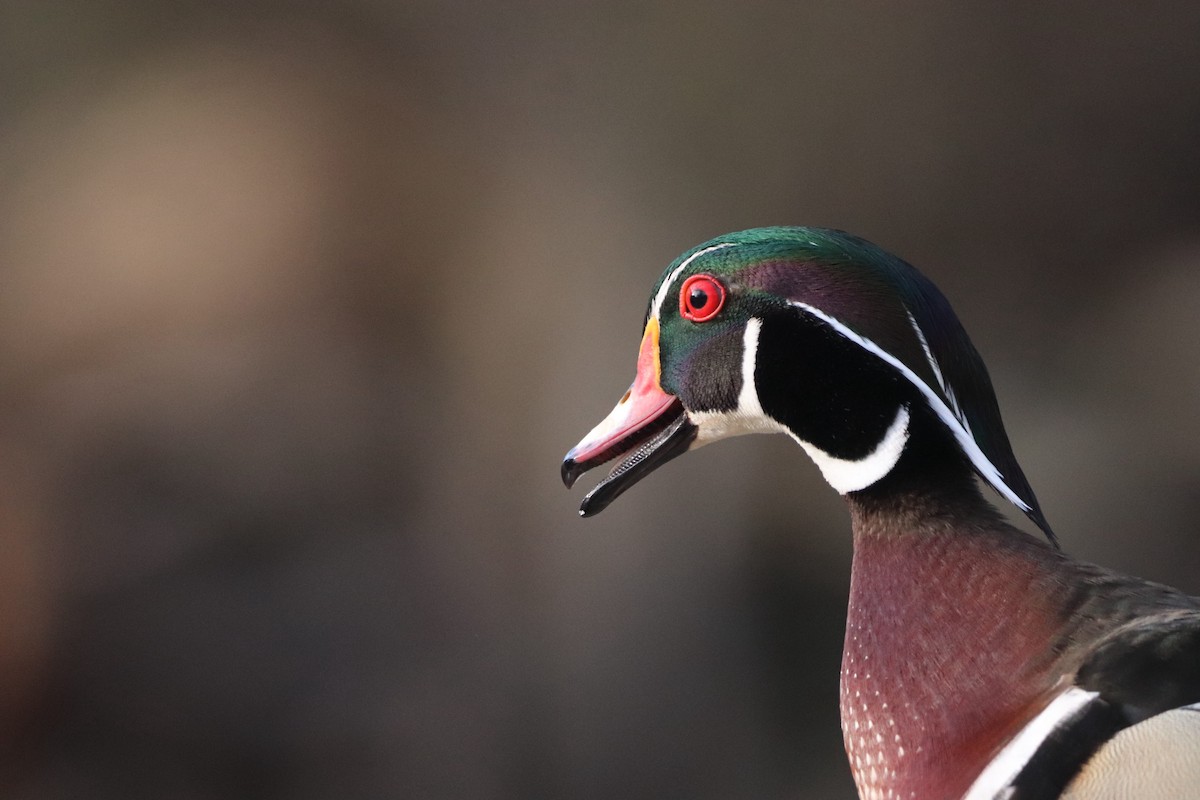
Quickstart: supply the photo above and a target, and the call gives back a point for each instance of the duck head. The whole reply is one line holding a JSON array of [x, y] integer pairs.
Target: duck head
[[810, 332]]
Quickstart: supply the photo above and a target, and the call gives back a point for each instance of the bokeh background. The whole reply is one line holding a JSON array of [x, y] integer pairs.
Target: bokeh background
[[301, 305]]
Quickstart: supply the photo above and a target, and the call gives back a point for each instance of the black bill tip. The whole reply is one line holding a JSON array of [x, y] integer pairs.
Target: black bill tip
[[571, 470], [671, 441]]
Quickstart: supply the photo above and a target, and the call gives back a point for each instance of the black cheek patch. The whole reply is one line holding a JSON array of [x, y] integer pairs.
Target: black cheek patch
[[823, 387], [710, 377]]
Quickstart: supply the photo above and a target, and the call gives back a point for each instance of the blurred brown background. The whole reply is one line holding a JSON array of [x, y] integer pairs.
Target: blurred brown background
[[301, 304]]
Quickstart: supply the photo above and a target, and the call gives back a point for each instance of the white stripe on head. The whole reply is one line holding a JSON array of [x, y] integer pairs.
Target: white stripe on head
[[666, 285], [947, 389], [961, 433], [843, 475], [749, 416], [1003, 769], [748, 402]]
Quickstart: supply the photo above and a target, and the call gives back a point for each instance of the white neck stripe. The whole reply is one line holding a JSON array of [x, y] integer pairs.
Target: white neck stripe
[[847, 476], [666, 284], [965, 440], [843, 475]]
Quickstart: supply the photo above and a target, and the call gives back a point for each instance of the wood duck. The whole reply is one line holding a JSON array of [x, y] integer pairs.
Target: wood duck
[[980, 661]]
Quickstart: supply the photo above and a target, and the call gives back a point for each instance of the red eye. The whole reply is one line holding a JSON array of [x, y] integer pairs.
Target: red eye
[[701, 298]]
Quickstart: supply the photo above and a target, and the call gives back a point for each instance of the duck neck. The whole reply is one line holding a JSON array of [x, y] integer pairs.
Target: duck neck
[[949, 635]]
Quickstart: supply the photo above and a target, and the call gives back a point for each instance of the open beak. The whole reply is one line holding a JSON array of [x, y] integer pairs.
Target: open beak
[[647, 428]]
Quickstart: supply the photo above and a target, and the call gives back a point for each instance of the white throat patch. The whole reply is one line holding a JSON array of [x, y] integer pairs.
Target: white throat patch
[[749, 416], [842, 474]]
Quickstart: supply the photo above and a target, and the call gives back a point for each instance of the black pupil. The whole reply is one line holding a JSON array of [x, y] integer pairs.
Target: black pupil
[[698, 298]]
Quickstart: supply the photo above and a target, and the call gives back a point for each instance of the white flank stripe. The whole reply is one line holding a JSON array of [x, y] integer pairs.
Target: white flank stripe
[[1008, 763], [851, 476], [986, 468], [666, 285]]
